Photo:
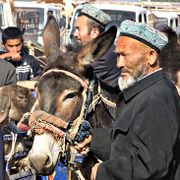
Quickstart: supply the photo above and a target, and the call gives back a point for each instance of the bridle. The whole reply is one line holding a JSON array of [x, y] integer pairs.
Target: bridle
[[39, 121]]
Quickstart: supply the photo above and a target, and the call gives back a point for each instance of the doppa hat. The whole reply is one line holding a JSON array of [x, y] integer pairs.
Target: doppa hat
[[144, 33], [95, 14]]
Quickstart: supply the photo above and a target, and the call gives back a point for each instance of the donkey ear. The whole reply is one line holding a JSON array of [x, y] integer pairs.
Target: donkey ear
[[51, 36], [96, 48]]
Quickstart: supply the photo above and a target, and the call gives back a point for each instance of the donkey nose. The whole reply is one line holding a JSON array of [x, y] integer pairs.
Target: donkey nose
[[41, 163]]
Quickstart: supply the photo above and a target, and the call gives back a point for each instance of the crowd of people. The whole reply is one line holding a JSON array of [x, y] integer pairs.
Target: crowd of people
[[144, 140]]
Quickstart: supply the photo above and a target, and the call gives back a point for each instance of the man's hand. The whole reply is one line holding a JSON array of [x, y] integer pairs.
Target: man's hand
[[15, 56], [94, 171], [83, 146]]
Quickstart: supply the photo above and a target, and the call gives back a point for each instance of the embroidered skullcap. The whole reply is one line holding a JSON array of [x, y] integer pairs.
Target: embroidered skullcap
[[96, 14], [144, 33]]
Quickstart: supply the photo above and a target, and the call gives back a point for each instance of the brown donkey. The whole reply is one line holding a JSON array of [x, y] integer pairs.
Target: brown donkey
[[64, 99]]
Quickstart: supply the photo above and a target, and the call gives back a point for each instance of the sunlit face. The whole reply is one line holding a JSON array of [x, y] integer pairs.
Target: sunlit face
[[13, 45], [82, 33], [131, 60]]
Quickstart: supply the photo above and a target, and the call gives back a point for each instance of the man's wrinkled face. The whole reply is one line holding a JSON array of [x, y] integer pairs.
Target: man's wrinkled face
[[13, 45], [131, 61], [83, 34]]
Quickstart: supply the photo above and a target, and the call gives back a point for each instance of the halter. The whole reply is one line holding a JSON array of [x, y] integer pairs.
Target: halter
[[40, 120], [68, 73]]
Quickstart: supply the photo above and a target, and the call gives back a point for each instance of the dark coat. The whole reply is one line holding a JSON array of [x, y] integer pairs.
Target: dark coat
[[7, 73], [27, 68], [145, 134], [106, 69]]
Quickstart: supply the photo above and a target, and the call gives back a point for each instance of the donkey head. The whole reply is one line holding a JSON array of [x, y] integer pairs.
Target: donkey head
[[14, 102], [62, 89]]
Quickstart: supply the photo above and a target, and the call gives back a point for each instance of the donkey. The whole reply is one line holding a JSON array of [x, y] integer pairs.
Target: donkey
[[62, 98]]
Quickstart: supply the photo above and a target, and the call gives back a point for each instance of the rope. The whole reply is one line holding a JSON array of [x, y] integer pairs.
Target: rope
[[77, 122], [77, 78], [98, 98], [32, 49], [90, 95], [72, 132], [44, 117], [107, 101], [10, 155], [89, 102], [104, 99]]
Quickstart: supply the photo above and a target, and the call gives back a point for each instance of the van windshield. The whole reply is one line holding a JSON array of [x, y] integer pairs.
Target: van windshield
[[119, 16], [32, 19]]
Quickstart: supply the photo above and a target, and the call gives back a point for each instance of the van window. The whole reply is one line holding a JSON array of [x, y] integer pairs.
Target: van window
[[32, 19], [116, 16], [119, 16], [140, 18], [2, 23], [174, 23], [145, 18]]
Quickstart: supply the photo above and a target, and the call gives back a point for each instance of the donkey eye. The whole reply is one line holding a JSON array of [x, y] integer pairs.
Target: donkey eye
[[20, 97], [70, 95]]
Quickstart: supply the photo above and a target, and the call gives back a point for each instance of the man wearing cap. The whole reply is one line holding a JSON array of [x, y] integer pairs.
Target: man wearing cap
[[90, 23], [144, 142]]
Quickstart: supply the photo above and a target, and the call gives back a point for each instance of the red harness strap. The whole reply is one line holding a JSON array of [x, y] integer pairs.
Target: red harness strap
[[39, 128], [41, 116]]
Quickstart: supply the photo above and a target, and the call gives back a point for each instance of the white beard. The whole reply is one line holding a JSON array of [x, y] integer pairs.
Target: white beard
[[124, 84], [133, 78]]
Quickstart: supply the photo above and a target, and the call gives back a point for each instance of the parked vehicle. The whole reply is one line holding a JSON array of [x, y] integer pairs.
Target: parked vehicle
[[6, 17], [118, 13], [32, 16], [167, 17]]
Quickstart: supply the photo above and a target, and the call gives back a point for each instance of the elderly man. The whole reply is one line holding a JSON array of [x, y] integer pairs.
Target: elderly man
[[143, 143], [90, 23]]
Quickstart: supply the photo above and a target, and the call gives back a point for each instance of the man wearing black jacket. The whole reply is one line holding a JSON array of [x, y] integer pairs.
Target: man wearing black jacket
[[144, 141], [27, 67], [90, 23], [7, 73]]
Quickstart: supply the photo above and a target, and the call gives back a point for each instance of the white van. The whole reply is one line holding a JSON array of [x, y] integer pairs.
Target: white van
[[118, 13], [32, 16], [6, 17], [167, 17]]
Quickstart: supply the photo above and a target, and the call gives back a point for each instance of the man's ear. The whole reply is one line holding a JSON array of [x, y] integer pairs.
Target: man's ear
[[152, 57], [94, 32], [3, 45]]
